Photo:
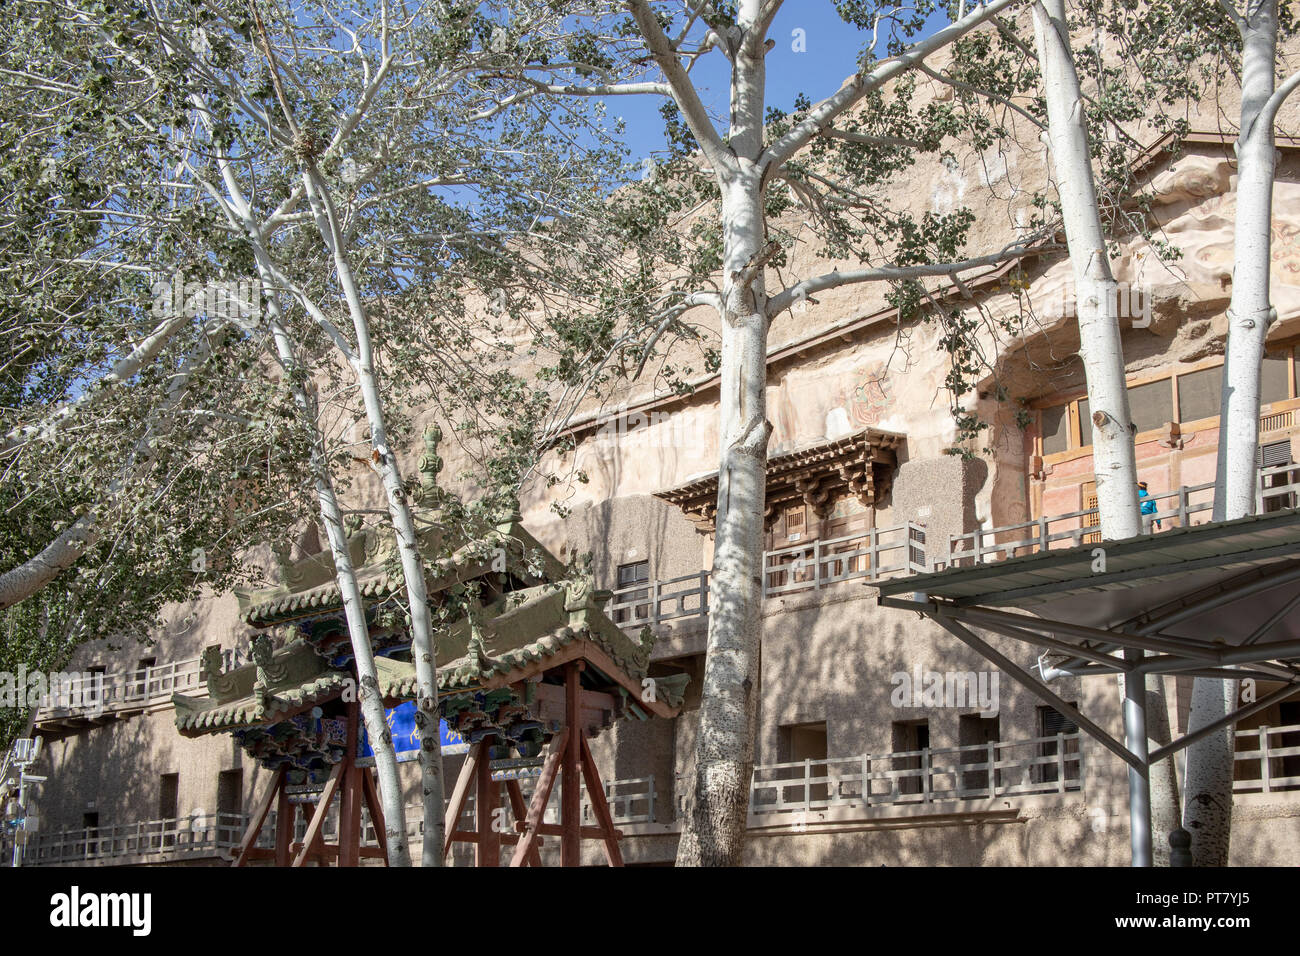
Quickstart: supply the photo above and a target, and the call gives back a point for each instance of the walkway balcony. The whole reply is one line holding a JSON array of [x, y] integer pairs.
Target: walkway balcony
[[92, 699], [882, 553]]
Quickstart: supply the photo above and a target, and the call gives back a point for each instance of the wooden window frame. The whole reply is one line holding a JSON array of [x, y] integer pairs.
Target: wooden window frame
[[1072, 397]]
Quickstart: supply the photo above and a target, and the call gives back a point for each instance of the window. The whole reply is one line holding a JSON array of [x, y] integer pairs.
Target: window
[[1199, 394], [630, 575], [1190, 396], [1085, 424], [1150, 405], [169, 804], [169, 796], [974, 731], [230, 793], [1056, 429], [800, 742], [1274, 383], [795, 522], [1052, 722], [910, 737]]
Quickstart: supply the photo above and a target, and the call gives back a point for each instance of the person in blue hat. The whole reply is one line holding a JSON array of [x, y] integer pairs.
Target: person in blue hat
[[1148, 503]]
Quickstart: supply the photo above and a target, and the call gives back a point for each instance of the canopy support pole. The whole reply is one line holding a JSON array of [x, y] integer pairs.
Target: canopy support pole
[[1139, 777]]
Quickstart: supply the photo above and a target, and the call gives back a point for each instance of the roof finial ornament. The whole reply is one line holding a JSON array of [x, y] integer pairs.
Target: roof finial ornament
[[289, 576], [268, 670], [477, 644], [429, 466], [220, 684]]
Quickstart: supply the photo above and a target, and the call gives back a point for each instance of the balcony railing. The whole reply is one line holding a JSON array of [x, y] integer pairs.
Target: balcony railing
[[982, 771], [110, 694], [146, 841], [631, 801], [1268, 759], [1277, 488], [900, 550], [870, 555]]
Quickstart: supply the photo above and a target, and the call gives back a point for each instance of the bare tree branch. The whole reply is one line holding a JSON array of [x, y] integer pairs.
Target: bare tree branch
[[684, 93], [833, 280], [858, 86]]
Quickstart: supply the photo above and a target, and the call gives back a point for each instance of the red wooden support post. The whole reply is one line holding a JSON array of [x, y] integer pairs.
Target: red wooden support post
[[487, 851], [314, 827], [541, 796], [456, 805], [599, 806], [571, 797], [350, 802], [286, 815], [520, 811], [371, 796], [256, 822]]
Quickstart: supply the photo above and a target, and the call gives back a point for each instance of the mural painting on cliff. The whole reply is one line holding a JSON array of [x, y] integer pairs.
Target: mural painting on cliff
[[829, 404], [867, 396]]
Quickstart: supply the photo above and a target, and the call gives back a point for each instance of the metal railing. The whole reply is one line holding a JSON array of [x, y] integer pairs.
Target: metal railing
[[1039, 765], [1274, 762]]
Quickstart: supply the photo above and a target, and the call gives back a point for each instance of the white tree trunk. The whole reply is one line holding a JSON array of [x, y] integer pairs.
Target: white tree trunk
[[1101, 348], [423, 649], [1250, 311], [1207, 811], [1207, 806], [369, 697], [714, 831], [1114, 464]]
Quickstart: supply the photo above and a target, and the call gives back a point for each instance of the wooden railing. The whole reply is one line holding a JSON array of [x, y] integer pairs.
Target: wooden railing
[[1268, 758], [982, 771], [903, 549], [869, 555], [128, 690], [1277, 487], [218, 835]]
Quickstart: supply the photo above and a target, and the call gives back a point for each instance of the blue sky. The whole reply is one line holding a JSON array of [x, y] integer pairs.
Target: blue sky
[[832, 50]]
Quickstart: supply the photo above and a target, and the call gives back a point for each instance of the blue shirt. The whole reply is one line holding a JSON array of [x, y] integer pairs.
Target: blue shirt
[[1148, 506]]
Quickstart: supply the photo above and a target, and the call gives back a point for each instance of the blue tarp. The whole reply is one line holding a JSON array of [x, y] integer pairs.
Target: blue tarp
[[406, 741]]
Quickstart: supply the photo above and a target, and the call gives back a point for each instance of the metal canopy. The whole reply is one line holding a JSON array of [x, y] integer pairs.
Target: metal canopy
[[1213, 549], [1216, 600]]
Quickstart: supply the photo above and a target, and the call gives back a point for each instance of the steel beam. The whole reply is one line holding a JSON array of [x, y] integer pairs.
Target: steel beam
[[1039, 690], [1240, 714]]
